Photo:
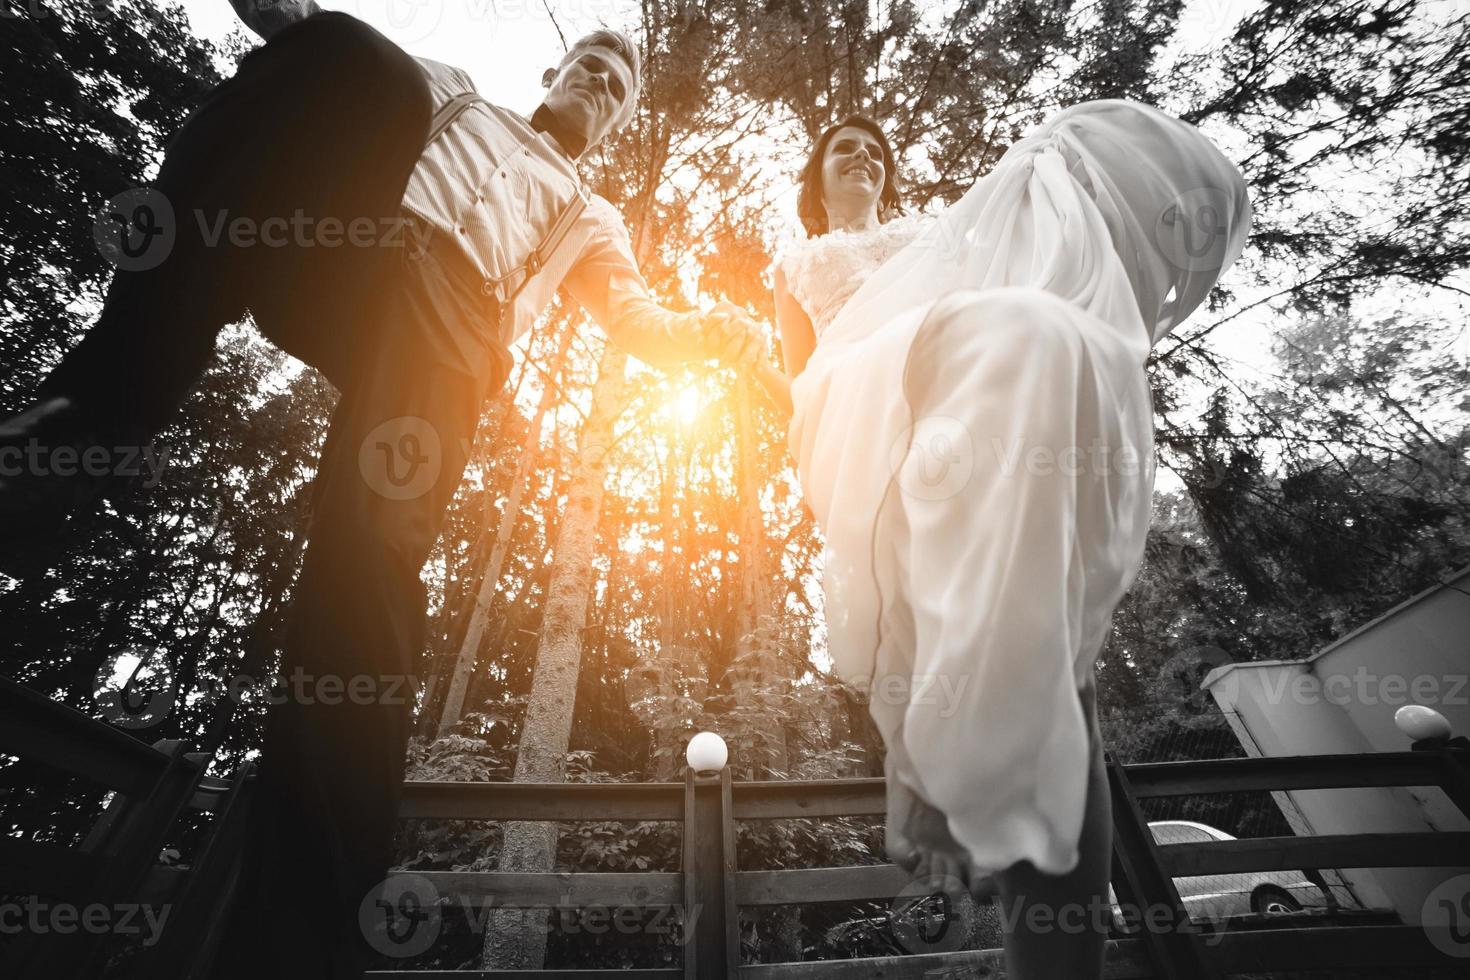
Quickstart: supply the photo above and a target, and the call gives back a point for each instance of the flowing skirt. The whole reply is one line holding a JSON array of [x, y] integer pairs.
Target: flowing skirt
[[974, 435]]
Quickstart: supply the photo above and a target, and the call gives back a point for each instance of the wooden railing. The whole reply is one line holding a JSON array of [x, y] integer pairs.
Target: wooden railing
[[156, 784], [1142, 877], [151, 786]]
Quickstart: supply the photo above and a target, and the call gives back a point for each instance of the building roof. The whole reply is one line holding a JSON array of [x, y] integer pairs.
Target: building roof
[[1451, 582]]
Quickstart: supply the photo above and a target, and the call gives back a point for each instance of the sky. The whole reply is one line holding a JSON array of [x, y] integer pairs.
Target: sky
[[505, 45]]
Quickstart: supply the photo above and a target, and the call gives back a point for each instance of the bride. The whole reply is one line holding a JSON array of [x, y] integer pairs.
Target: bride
[[972, 423]]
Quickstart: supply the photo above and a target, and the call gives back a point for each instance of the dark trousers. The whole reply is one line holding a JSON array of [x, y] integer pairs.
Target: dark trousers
[[325, 121]]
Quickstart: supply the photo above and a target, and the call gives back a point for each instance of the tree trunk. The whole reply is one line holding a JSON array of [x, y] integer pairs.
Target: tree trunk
[[785, 923], [864, 734], [666, 729], [445, 636], [753, 590], [516, 938], [469, 648]]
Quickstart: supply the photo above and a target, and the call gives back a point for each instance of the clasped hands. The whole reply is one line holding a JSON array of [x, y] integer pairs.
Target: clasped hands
[[733, 336]]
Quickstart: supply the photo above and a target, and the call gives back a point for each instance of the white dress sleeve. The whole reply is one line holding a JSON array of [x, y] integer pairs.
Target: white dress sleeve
[[793, 260]]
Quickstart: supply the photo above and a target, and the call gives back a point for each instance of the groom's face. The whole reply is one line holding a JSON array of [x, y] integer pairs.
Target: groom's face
[[591, 90]]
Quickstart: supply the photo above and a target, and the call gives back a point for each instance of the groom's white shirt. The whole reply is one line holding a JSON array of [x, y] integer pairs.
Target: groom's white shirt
[[496, 185]]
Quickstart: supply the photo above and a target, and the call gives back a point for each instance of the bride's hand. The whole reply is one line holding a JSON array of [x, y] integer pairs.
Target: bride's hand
[[738, 340]]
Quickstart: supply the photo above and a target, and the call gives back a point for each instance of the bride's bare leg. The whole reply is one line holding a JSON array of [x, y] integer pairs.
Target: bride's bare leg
[[1057, 925]]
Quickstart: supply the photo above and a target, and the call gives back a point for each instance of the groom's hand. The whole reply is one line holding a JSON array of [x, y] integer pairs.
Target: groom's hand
[[733, 337]]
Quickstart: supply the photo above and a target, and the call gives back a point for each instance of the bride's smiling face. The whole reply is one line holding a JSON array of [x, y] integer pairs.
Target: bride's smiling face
[[852, 168]]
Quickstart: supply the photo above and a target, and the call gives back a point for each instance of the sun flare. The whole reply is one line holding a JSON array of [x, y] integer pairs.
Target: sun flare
[[687, 405]]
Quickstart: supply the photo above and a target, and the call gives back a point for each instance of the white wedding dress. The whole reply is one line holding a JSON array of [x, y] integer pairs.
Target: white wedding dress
[[974, 434]]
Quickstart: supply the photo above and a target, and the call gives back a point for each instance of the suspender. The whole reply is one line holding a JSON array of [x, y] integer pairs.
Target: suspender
[[509, 286], [449, 112]]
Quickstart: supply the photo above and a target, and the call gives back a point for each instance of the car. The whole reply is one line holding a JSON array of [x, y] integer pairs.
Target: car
[[1214, 897]]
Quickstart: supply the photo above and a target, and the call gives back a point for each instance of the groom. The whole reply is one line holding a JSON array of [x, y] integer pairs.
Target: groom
[[470, 217]]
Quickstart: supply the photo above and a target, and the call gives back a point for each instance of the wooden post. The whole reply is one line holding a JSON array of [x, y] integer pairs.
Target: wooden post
[[1137, 876], [708, 877], [1455, 778], [126, 840], [191, 941], [731, 912]]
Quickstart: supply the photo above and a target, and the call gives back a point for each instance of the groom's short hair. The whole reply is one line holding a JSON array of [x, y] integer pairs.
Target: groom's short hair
[[621, 45]]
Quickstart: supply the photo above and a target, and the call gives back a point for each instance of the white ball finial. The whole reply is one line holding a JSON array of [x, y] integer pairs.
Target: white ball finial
[[1419, 722], [707, 752]]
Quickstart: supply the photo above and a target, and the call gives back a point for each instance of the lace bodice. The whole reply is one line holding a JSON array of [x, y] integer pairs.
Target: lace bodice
[[823, 272]]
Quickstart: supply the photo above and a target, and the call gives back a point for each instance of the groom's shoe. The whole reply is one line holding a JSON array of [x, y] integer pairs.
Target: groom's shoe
[[44, 473]]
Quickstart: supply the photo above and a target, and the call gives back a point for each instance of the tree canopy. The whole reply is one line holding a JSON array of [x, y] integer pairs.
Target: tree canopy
[[1308, 485]]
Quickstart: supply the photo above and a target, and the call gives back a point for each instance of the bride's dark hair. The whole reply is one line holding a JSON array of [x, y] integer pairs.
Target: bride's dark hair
[[809, 205]]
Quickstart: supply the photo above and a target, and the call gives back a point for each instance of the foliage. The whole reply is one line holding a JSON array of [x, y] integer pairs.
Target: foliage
[[1295, 502]]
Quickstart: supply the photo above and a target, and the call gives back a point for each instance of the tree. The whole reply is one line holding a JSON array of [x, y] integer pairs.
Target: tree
[[1297, 502], [474, 635], [546, 730], [88, 94]]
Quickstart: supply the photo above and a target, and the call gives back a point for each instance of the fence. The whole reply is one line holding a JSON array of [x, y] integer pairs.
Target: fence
[[156, 784]]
